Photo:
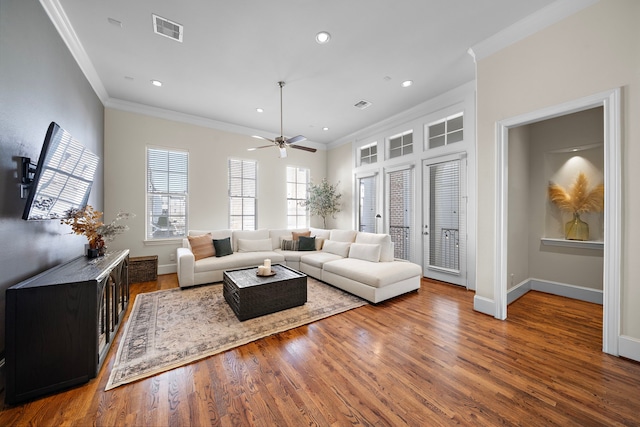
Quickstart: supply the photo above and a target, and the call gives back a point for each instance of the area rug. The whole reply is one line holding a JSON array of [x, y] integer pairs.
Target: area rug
[[171, 328]]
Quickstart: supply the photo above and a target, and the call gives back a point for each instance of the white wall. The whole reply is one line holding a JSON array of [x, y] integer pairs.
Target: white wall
[[519, 210], [585, 54], [128, 134]]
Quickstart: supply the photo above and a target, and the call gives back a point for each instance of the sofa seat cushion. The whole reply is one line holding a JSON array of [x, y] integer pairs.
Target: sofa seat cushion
[[376, 274], [237, 260], [293, 255], [317, 259]]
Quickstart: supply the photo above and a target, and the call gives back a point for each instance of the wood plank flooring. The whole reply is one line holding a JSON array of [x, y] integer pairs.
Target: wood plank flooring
[[422, 359]]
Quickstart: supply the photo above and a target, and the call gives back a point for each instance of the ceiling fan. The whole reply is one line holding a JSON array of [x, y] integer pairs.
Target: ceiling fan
[[281, 142]]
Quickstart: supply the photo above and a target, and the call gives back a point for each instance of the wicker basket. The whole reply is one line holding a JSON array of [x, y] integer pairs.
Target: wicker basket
[[143, 269]]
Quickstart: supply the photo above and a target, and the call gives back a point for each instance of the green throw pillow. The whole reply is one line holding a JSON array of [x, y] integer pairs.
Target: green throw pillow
[[306, 243], [223, 247]]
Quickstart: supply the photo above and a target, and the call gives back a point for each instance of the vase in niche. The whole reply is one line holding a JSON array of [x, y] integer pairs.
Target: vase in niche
[[576, 229]]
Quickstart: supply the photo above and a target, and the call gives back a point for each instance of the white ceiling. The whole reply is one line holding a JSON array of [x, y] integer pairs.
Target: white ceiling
[[235, 51]]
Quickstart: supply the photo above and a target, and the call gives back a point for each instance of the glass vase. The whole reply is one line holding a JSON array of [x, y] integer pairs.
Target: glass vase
[[576, 229]]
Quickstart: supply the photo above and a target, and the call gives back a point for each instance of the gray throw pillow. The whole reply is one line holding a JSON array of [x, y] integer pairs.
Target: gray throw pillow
[[222, 246], [289, 245], [306, 243]]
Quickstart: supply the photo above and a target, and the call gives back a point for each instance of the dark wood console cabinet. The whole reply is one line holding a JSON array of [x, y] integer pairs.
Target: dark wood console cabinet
[[60, 324]]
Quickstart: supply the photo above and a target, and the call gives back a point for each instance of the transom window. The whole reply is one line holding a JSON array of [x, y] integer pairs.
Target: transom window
[[297, 185], [401, 145], [242, 194], [369, 153], [446, 131], [167, 193]]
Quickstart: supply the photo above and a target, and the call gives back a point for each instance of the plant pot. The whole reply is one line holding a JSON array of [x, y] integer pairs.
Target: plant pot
[[576, 229], [93, 253]]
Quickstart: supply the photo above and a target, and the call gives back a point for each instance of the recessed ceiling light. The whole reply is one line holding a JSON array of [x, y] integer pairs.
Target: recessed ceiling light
[[323, 37], [156, 83], [259, 110], [407, 83], [325, 128]]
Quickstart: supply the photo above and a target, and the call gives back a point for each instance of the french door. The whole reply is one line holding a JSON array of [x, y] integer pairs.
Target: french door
[[367, 208], [399, 191], [444, 220]]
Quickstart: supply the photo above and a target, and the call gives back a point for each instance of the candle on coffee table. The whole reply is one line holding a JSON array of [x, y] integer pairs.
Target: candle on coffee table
[[267, 265]]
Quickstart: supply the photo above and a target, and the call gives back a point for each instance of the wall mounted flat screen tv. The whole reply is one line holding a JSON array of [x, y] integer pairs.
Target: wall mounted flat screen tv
[[63, 177]]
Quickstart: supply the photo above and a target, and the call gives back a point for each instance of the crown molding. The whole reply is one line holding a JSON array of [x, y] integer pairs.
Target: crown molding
[[533, 23], [59, 18], [161, 113]]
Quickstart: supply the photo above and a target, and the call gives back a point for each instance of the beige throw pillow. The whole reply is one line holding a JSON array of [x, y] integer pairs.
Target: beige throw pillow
[[294, 235], [202, 246]]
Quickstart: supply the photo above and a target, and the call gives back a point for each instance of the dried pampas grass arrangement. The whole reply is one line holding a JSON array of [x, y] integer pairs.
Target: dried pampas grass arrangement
[[579, 198]]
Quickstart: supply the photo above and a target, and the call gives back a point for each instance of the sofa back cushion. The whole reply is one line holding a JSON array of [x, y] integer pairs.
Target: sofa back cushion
[[248, 235], [254, 245], [336, 248], [216, 234], [343, 235], [384, 240], [365, 251], [320, 232]]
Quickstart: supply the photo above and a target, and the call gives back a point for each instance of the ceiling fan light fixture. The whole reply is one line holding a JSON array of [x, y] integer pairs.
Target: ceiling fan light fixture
[[323, 37], [156, 83], [259, 110], [283, 152]]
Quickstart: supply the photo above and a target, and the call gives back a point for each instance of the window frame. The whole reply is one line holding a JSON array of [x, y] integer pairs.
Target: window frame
[[447, 134], [173, 222], [372, 157], [307, 216], [405, 149], [243, 196]]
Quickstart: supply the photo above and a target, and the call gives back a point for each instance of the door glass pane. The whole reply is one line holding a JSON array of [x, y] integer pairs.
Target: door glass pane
[[367, 202], [400, 208], [444, 215]]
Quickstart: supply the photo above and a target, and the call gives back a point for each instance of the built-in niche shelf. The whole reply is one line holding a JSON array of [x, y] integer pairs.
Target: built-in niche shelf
[[584, 244]]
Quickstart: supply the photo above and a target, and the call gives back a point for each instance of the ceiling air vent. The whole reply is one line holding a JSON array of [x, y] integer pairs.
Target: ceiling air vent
[[167, 28], [362, 104]]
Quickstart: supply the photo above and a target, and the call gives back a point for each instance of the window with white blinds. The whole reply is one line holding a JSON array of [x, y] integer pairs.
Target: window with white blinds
[[445, 131], [400, 203], [369, 154], [444, 211], [401, 145], [367, 204], [297, 186], [243, 175], [167, 193]]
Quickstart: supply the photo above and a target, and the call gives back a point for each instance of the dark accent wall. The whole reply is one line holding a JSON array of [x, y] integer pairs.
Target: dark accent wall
[[40, 82]]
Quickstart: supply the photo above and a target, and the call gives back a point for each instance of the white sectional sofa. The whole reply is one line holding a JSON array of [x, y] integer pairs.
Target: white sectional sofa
[[358, 262]]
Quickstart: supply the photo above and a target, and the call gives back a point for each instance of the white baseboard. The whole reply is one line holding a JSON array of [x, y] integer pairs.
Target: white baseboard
[[484, 305], [167, 268], [629, 347], [555, 288]]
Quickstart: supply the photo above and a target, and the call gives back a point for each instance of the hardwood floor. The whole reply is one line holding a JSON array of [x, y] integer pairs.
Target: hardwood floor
[[422, 359]]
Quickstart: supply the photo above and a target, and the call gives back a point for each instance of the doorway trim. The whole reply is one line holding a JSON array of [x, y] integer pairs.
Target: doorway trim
[[610, 101]]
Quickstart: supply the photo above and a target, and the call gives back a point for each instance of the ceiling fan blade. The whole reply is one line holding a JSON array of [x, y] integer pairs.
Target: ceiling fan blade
[[262, 137], [296, 139], [257, 148], [302, 147]]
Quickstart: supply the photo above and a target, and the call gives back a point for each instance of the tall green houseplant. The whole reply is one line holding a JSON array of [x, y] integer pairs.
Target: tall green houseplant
[[323, 200]]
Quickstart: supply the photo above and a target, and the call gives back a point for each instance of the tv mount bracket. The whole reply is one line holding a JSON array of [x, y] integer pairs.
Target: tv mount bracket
[[28, 172]]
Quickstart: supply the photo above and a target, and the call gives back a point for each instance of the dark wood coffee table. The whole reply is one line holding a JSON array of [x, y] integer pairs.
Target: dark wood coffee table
[[250, 295]]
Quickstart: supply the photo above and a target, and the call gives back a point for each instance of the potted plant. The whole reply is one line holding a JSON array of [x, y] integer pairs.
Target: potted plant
[[323, 200], [578, 199], [86, 221]]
